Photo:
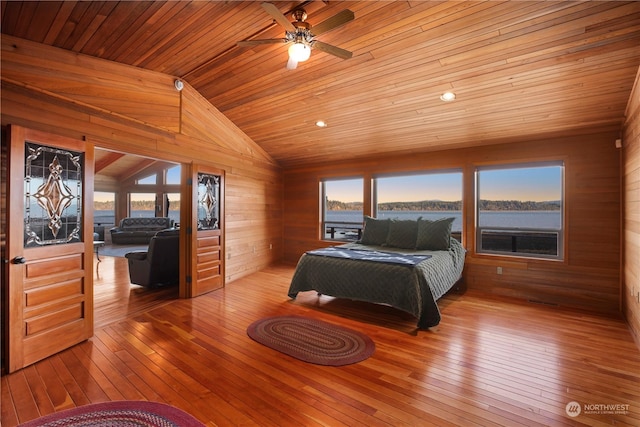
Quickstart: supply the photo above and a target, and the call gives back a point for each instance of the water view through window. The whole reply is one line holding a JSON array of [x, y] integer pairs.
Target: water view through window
[[143, 204], [519, 208], [429, 196], [104, 212], [342, 208]]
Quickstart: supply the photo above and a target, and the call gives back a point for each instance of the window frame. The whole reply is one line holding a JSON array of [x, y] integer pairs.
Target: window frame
[[560, 232], [323, 211]]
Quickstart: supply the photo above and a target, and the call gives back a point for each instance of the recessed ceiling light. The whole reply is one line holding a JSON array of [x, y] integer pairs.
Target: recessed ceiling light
[[321, 124], [448, 96]]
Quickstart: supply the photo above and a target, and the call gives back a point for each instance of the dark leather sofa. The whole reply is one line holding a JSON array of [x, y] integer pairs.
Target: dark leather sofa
[[134, 230], [159, 265]]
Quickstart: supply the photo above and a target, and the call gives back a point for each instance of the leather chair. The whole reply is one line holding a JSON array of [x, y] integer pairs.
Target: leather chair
[[159, 265]]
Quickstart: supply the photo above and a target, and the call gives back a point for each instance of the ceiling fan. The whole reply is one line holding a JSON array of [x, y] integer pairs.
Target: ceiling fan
[[302, 36]]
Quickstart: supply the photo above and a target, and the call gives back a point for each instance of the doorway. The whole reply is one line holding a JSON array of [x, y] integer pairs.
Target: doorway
[[129, 186]]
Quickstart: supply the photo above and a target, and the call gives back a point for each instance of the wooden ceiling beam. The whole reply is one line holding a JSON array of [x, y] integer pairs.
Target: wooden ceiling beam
[[107, 160]]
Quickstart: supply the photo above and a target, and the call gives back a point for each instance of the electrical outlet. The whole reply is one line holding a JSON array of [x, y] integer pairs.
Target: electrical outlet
[[499, 270], [254, 249], [270, 246]]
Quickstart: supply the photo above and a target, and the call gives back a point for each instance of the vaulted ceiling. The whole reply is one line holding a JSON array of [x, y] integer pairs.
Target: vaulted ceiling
[[520, 70]]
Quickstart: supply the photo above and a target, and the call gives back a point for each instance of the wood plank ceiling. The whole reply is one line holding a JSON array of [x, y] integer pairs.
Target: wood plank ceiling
[[519, 69]]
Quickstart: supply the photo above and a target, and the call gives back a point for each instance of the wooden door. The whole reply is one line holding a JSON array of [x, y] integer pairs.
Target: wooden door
[[206, 236], [49, 245]]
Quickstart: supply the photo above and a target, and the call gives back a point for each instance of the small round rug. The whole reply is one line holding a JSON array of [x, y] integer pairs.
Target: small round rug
[[312, 340], [125, 413]]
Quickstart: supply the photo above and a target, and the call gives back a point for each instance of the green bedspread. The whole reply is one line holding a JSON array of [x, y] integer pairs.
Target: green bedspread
[[414, 289]]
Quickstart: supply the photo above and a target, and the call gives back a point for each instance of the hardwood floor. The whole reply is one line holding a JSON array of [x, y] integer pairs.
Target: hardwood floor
[[490, 362], [115, 297]]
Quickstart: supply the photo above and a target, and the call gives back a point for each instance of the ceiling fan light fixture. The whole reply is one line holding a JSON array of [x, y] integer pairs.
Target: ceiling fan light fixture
[[448, 96], [299, 52]]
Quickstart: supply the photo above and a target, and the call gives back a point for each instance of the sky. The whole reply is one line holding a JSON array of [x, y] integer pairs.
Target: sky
[[538, 184], [401, 189], [344, 190], [526, 184], [446, 187]]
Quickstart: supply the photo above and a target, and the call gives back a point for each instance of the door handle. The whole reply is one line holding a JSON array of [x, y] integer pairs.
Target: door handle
[[19, 260]]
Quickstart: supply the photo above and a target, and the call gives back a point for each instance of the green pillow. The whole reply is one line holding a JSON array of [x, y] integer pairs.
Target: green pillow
[[375, 231], [434, 235], [402, 234]]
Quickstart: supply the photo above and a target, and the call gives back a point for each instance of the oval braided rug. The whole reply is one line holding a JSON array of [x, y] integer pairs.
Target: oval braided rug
[[312, 340], [122, 413]]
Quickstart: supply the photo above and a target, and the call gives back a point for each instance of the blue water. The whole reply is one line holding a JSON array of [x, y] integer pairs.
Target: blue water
[[522, 219]]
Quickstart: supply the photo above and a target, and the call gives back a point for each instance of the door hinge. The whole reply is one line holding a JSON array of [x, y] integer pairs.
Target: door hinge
[[189, 230], [189, 181], [188, 279]]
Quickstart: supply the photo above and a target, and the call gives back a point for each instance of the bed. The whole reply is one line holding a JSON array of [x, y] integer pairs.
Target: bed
[[422, 265]]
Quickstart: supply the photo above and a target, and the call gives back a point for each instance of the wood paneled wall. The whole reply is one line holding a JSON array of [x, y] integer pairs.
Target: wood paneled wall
[[588, 278], [123, 108], [261, 208], [631, 204]]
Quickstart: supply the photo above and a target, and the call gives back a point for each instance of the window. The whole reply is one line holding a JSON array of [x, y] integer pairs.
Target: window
[[342, 201], [148, 180], [430, 196], [520, 210], [104, 208], [173, 175], [172, 206], [142, 204]]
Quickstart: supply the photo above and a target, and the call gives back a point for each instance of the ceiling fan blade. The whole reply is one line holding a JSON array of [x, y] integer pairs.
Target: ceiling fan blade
[[272, 10], [333, 50], [333, 22], [291, 64], [260, 41]]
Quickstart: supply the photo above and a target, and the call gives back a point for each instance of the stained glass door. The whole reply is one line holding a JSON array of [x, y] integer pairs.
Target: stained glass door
[[207, 225], [50, 245]]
